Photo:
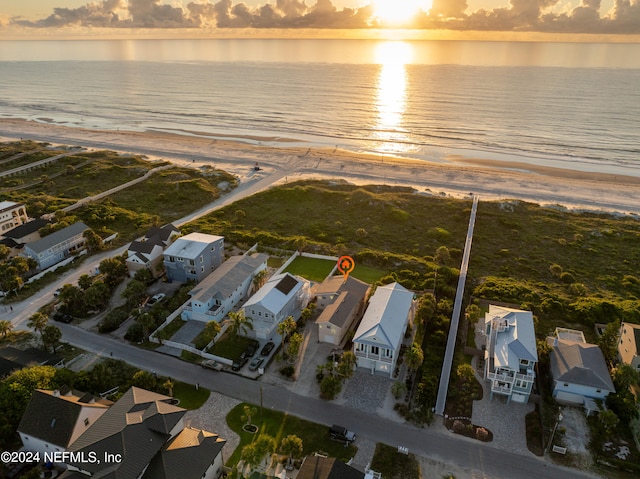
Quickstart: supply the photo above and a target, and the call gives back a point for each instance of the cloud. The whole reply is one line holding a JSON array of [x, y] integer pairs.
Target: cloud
[[516, 15]]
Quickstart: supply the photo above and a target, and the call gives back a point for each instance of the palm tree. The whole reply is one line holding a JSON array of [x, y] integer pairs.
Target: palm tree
[[168, 385], [239, 323], [37, 322], [286, 327], [259, 278], [5, 327], [212, 329], [414, 357]]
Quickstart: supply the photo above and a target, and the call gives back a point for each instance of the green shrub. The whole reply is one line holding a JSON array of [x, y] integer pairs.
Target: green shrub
[[113, 320], [287, 371]]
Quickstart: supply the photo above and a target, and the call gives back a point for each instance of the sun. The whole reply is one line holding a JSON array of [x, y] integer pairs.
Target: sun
[[395, 13]]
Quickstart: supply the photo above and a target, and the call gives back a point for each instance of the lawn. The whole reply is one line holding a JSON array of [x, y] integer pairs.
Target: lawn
[[229, 346], [394, 465], [368, 274], [314, 436], [311, 268], [190, 397]]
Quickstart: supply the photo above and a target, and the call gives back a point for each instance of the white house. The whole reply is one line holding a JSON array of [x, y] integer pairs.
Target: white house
[[629, 345], [579, 370], [379, 336], [56, 246], [54, 419], [340, 303], [223, 289], [510, 355], [193, 256], [11, 215], [148, 252], [283, 295]]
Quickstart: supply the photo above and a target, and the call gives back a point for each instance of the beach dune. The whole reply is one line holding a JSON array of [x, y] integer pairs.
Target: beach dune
[[456, 176]]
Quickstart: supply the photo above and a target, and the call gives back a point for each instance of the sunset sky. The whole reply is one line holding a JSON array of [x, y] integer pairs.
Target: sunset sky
[[553, 16]]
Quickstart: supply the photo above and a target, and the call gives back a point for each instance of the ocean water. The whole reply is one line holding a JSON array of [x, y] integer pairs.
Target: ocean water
[[572, 105]]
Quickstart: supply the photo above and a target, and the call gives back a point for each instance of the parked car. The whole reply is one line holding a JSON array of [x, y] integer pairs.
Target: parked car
[[62, 317], [251, 348], [340, 433], [255, 364], [156, 298], [237, 364], [211, 364], [267, 348]]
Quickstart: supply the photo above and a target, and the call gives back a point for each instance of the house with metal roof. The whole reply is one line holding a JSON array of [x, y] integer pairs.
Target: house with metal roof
[[579, 370], [57, 246], [510, 355], [193, 256], [283, 295], [147, 253], [377, 340], [341, 303], [222, 290], [55, 419], [629, 345]]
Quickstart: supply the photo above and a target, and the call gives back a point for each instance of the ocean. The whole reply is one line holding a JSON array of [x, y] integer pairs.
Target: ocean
[[572, 105]]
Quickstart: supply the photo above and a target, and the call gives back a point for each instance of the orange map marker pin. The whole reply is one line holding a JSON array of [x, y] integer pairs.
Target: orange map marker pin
[[346, 265]]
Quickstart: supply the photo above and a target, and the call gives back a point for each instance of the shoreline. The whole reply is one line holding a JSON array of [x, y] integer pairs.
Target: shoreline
[[454, 175]]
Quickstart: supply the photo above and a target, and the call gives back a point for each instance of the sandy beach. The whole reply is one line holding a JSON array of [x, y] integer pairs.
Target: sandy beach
[[456, 176]]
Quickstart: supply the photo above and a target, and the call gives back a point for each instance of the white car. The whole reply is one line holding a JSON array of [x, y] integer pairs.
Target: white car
[[156, 298]]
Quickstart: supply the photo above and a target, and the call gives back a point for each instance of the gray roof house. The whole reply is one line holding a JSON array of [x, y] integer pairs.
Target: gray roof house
[[629, 345], [511, 353], [342, 303], [193, 256], [579, 370], [145, 435], [222, 290], [54, 419], [283, 295], [379, 336], [148, 252], [57, 246]]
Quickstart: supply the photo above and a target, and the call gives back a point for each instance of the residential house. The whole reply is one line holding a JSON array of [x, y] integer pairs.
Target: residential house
[[222, 290], [579, 370], [26, 357], [283, 295], [148, 252], [193, 256], [320, 467], [16, 238], [379, 336], [55, 419], [510, 355], [56, 246], [629, 345], [341, 303], [11, 215], [143, 435]]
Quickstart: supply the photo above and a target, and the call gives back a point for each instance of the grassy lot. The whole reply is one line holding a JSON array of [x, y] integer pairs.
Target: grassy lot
[[368, 274], [311, 268], [190, 397], [394, 465], [314, 436], [229, 346], [173, 327]]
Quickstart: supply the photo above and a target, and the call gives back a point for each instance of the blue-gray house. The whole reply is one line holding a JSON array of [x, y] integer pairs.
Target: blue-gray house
[[193, 256]]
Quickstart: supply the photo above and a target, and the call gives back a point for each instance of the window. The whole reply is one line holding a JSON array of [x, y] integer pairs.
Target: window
[[388, 353], [86, 421], [191, 262], [598, 390], [566, 384], [201, 259], [202, 269], [375, 350], [524, 362]]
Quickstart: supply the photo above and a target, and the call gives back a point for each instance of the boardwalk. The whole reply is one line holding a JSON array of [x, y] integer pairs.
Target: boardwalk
[[455, 317]]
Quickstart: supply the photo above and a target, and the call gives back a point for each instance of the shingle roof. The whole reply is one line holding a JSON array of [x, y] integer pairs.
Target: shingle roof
[[29, 356], [25, 229], [350, 294], [52, 415], [384, 320], [57, 237], [136, 426], [579, 363], [163, 232], [318, 467], [230, 275], [187, 456]]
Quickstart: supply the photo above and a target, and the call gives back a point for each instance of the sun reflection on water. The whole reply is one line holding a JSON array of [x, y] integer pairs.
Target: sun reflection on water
[[391, 97]]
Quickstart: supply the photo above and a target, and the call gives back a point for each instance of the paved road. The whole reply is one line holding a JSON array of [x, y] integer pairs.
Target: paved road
[[427, 442]]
